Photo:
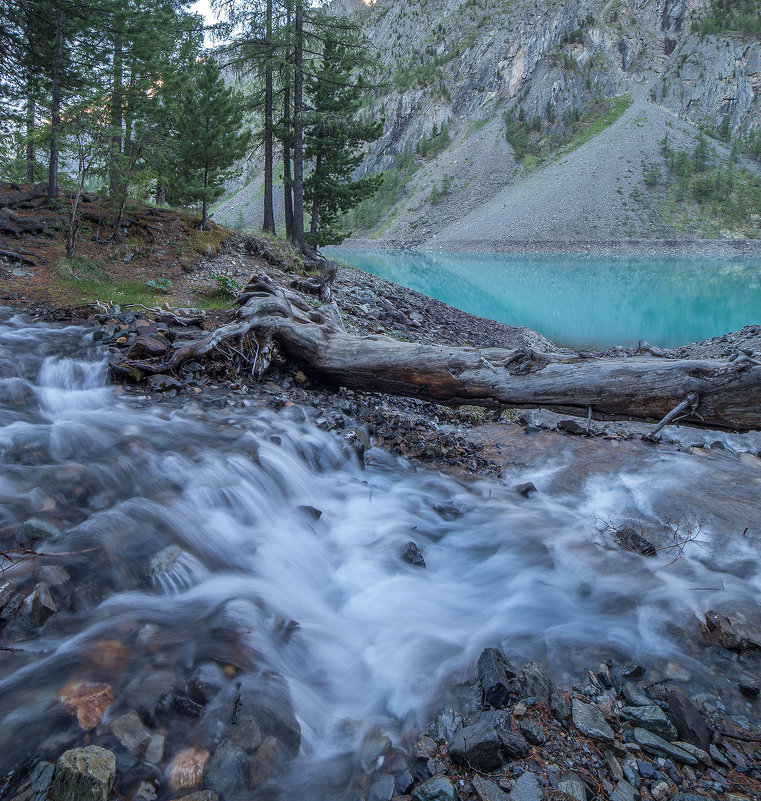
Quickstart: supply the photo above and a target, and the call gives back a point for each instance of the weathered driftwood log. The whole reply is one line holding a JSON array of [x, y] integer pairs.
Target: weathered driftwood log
[[728, 394]]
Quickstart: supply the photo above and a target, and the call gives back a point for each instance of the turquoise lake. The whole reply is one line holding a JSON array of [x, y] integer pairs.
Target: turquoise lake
[[585, 300]]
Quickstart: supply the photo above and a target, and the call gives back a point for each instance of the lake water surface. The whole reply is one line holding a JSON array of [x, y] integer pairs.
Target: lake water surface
[[585, 300]]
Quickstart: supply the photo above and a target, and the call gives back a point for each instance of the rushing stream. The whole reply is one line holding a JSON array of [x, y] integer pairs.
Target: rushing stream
[[254, 539]]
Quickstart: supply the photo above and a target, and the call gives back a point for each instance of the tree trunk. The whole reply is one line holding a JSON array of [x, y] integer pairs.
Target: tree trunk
[[724, 394], [315, 200], [298, 130], [30, 113], [55, 109], [160, 194], [287, 179], [116, 115], [268, 226], [205, 202]]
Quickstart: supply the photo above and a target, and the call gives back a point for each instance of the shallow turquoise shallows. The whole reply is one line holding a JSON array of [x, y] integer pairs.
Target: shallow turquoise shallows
[[585, 300]]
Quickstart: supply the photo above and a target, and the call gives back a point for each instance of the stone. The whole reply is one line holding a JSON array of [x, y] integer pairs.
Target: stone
[[146, 791], [657, 746], [200, 795], [590, 722], [83, 774], [43, 605], [478, 746], [187, 767], [227, 772], [652, 718], [425, 748], [54, 575], [574, 786], [526, 489], [438, 788], [633, 671], [164, 383], [532, 731], [690, 725], [445, 723], [382, 790], [559, 706], [635, 695], [514, 745], [147, 347], [732, 633], [631, 540], [412, 555], [494, 673], [717, 756], [87, 701], [36, 530], [268, 758], [154, 752], [131, 733], [40, 780], [487, 791], [532, 682], [660, 791], [245, 733], [624, 792], [614, 766], [698, 753], [645, 768], [526, 788]]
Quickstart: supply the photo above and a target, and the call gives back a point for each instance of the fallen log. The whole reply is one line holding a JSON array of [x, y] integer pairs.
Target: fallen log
[[726, 394], [20, 224], [18, 197]]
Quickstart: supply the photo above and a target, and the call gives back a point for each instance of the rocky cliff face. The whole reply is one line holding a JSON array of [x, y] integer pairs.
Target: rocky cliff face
[[463, 65]]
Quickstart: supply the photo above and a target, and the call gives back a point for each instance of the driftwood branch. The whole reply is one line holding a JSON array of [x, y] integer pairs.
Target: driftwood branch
[[717, 393]]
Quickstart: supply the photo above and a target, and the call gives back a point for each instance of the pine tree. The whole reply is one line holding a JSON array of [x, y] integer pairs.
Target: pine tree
[[209, 139], [334, 136]]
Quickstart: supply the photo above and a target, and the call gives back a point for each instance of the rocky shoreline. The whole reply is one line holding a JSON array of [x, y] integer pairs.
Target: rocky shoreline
[[722, 248], [508, 734]]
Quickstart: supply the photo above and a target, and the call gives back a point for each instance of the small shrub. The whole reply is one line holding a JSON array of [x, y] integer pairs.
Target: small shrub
[[161, 284], [226, 286]]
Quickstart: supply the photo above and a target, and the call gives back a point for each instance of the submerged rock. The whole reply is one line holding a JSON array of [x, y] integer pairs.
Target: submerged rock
[[83, 774], [439, 788], [412, 555], [228, 770], [87, 701], [187, 768]]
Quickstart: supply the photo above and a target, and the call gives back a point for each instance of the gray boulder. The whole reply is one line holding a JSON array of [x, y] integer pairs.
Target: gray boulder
[[494, 673], [83, 774], [588, 719], [439, 788], [652, 718], [478, 745], [657, 746], [688, 720]]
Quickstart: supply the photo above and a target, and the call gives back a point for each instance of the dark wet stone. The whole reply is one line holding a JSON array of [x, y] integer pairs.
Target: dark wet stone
[[445, 723], [381, 790], [206, 682], [227, 771], [688, 721], [532, 731], [83, 773], [588, 719], [514, 745], [645, 768], [624, 792], [412, 555], [635, 695], [525, 489], [146, 691], [147, 347], [526, 788], [574, 786], [572, 426], [751, 691], [425, 748], [559, 707], [200, 795], [43, 605], [494, 674], [633, 671], [311, 512], [267, 761], [245, 732], [732, 634], [40, 779], [532, 682], [478, 746], [131, 733], [164, 383], [488, 791], [630, 539], [439, 788], [403, 780], [652, 718], [267, 699], [657, 746]]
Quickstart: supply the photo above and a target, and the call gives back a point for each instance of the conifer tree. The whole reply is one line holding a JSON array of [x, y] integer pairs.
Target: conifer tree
[[334, 135], [209, 139]]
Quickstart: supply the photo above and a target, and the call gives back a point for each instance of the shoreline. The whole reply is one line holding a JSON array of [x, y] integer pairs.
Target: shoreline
[[552, 247]]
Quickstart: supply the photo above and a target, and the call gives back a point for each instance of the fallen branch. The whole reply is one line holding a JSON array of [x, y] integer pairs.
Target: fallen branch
[[720, 393]]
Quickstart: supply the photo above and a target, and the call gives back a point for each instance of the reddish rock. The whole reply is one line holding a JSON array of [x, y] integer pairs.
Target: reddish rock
[[146, 347], [186, 770], [86, 701]]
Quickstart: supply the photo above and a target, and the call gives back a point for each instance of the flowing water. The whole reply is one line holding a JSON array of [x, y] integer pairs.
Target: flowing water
[[585, 300], [194, 534]]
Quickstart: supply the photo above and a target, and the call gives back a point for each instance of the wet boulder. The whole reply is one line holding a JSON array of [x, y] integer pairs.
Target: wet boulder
[[588, 719], [533, 682], [732, 633], [494, 674], [147, 347], [227, 772], [439, 788], [412, 555], [445, 723], [479, 746], [688, 721], [652, 718], [83, 774]]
